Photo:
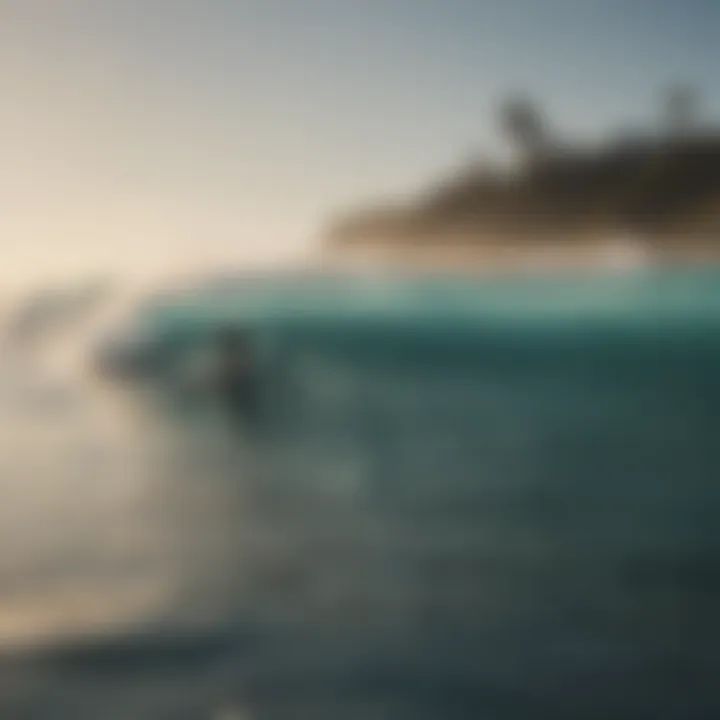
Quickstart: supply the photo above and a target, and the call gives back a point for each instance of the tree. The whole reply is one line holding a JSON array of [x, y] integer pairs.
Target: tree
[[681, 109], [523, 125]]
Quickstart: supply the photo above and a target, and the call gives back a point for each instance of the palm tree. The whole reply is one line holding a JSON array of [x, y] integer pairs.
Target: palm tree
[[681, 109], [523, 125]]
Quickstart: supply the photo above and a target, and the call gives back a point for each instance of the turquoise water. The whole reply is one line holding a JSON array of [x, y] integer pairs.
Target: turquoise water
[[465, 500], [638, 295]]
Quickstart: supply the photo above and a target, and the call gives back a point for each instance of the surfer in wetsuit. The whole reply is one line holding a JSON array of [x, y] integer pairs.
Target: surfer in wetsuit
[[237, 374]]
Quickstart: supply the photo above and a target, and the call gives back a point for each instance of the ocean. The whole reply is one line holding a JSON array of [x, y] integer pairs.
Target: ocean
[[464, 499]]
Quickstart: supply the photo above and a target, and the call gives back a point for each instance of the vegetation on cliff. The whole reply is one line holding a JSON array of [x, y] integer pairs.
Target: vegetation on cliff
[[662, 186]]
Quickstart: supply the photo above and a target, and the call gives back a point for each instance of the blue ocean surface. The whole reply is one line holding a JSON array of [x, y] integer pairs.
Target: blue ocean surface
[[464, 499]]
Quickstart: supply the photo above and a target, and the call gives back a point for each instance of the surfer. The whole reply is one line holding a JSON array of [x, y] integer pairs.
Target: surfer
[[237, 373]]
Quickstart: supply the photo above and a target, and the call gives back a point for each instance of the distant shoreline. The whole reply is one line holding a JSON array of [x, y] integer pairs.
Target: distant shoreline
[[613, 254]]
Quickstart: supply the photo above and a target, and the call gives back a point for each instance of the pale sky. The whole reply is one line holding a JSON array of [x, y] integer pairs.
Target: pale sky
[[186, 131]]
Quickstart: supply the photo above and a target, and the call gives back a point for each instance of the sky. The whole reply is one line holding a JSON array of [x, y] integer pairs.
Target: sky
[[179, 133]]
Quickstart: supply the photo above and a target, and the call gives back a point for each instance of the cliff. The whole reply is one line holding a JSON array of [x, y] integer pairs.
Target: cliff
[[663, 190]]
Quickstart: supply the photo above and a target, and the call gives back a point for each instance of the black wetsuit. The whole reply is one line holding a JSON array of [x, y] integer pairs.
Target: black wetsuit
[[238, 384], [241, 393]]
